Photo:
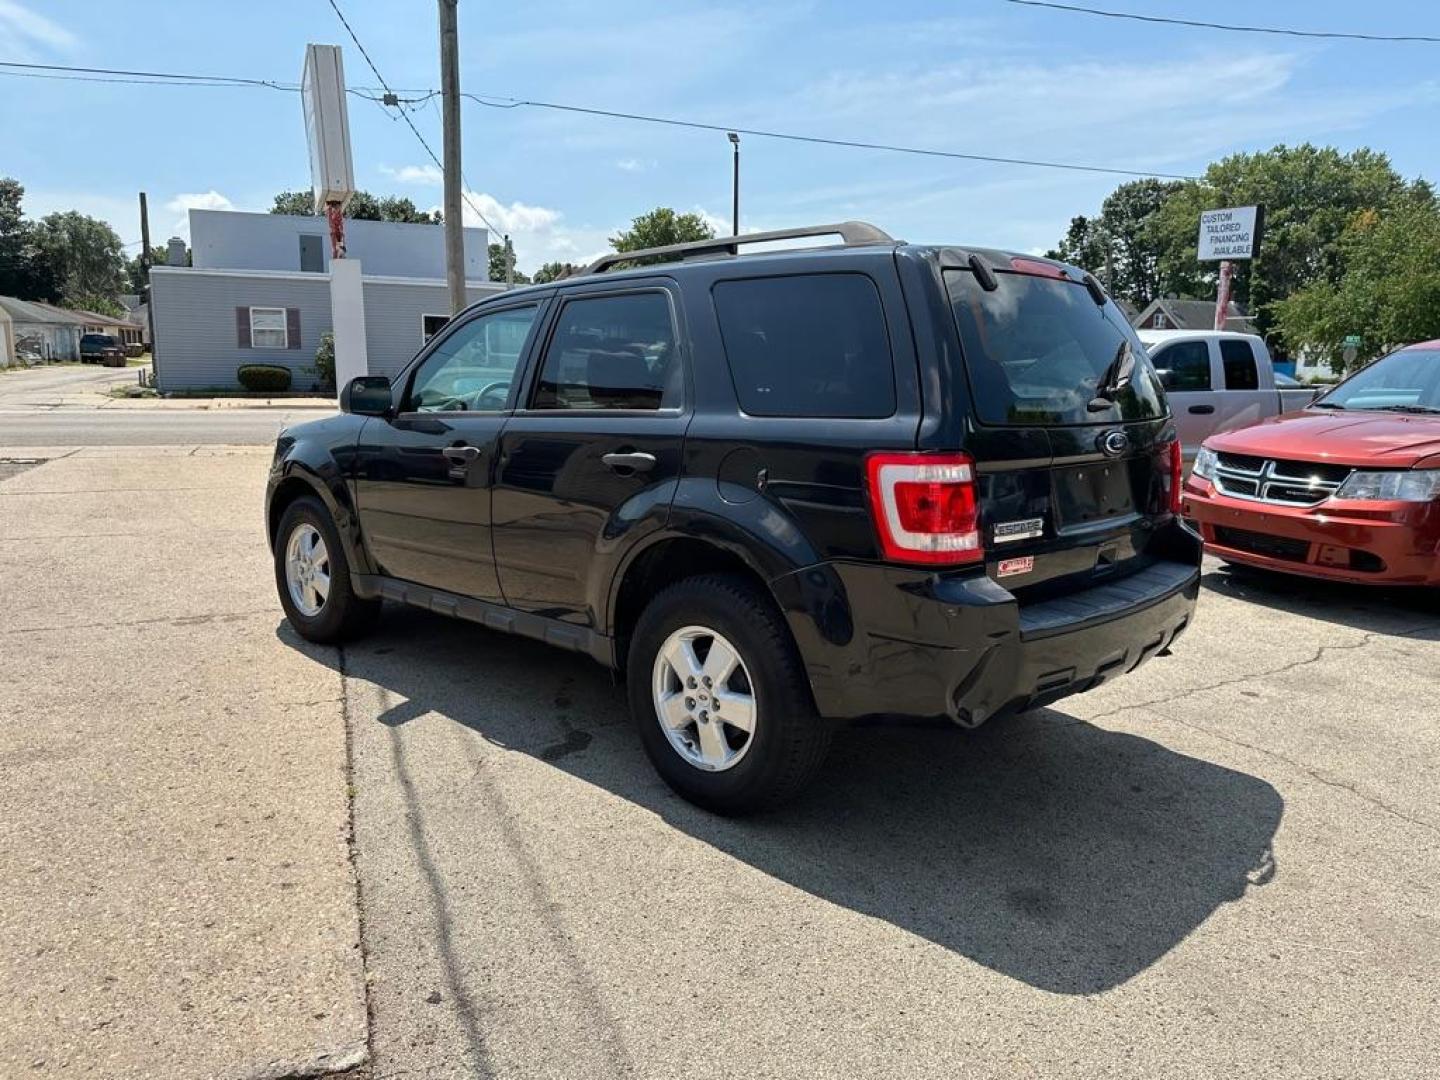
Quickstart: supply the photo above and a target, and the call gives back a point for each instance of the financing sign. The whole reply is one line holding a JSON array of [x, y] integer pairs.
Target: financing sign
[[1233, 233]]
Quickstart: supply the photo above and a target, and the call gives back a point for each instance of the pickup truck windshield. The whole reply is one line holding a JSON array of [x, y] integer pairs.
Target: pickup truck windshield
[[1408, 378], [1038, 351]]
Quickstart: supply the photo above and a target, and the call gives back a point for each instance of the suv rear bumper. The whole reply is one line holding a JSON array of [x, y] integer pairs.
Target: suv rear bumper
[[880, 640]]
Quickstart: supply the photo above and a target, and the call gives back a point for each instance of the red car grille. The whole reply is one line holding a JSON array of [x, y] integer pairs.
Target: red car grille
[[1285, 483]]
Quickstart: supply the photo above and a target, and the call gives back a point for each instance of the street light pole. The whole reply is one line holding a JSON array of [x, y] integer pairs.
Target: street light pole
[[450, 154], [735, 186]]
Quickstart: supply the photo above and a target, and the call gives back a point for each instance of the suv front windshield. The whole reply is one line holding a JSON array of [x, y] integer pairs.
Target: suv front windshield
[[1038, 351], [1404, 381]]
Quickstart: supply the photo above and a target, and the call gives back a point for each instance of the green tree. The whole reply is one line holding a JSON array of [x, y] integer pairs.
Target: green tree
[[497, 266], [101, 305], [363, 206], [83, 255], [135, 280], [14, 240], [660, 227], [554, 271], [1389, 293], [1310, 195], [1122, 242]]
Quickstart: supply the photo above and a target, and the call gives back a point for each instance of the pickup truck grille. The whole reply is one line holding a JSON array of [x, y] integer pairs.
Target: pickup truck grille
[[1286, 483]]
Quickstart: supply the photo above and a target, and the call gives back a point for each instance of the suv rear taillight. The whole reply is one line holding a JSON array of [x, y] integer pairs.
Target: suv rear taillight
[[925, 507], [1177, 473]]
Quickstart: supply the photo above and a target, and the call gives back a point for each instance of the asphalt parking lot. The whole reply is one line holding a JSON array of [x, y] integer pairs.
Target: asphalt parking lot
[[1225, 864]]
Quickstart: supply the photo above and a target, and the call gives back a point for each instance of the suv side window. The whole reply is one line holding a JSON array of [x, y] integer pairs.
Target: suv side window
[[1239, 360], [1185, 365], [807, 345], [472, 368], [611, 352]]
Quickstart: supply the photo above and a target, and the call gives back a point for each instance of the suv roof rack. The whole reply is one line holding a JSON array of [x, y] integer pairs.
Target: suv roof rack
[[850, 232]]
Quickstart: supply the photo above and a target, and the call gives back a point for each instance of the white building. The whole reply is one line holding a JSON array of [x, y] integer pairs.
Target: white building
[[259, 292]]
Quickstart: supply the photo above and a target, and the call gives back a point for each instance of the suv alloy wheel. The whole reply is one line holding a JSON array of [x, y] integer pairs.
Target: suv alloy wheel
[[314, 578], [720, 697]]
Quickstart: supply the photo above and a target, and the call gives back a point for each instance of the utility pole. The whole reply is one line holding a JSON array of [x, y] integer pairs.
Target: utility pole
[[509, 263], [735, 185], [148, 293], [450, 121]]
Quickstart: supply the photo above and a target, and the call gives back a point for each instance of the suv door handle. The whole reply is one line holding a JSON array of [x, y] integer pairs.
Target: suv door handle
[[461, 455], [634, 461], [1202, 410]]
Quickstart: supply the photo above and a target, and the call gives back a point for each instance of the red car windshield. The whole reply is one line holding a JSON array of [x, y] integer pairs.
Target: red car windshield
[[1404, 381]]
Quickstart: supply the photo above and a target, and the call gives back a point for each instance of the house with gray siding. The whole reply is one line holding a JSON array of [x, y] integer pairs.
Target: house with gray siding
[[258, 291]]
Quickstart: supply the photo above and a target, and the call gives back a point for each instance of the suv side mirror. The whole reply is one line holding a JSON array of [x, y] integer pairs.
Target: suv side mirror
[[367, 395]]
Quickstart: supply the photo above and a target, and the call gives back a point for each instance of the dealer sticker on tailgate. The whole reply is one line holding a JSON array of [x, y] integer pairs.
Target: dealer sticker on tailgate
[[1023, 565]]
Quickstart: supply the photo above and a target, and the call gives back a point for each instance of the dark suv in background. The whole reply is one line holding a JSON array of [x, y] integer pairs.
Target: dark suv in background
[[102, 349], [775, 490]]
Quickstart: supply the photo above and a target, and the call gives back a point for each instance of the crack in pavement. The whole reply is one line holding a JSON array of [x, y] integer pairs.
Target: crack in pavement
[[352, 848], [173, 620], [1367, 638]]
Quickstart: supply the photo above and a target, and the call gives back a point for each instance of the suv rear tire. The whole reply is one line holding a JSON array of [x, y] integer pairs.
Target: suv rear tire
[[313, 577], [689, 634]]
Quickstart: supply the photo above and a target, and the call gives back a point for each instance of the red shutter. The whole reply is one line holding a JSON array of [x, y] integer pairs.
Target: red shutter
[[292, 327], [242, 327]]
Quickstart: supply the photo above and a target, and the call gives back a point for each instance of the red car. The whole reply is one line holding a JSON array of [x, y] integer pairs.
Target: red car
[[1348, 488]]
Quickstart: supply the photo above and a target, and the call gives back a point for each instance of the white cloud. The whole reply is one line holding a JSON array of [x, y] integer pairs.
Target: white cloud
[[420, 175], [540, 234], [721, 225], [22, 31], [633, 165], [186, 201]]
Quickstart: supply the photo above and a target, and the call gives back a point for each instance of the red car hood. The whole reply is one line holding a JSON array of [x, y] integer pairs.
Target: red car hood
[[1384, 440]]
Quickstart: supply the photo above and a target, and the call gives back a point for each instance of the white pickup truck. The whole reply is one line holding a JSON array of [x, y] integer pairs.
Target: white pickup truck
[[1218, 380]]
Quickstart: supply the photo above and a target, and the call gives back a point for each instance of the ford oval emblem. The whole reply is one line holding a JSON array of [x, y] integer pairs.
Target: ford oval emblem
[[1114, 443]]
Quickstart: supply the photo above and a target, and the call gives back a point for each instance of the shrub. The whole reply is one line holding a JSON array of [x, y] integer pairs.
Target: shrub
[[324, 369], [264, 378]]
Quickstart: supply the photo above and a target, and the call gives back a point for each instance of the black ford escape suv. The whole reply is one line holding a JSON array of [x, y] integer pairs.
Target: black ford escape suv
[[775, 490]]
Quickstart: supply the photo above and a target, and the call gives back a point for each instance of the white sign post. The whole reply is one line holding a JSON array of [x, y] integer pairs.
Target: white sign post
[[1227, 235], [332, 176]]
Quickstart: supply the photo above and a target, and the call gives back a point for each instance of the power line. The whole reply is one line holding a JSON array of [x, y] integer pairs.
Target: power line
[[405, 115], [172, 78], [515, 103], [1236, 28], [176, 77], [497, 101]]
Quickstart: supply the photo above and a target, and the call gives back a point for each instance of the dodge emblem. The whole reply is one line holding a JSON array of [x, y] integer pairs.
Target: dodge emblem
[[1114, 443]]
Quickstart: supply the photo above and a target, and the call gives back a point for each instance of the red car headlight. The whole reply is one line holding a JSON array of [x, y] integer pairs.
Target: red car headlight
[[1415, 485]]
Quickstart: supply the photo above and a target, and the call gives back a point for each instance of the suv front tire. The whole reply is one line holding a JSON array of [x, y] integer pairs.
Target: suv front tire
[[313, 577], [720, 697]]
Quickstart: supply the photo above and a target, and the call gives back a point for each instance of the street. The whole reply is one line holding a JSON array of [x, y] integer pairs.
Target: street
[[42, 386], [70, 406], [1221, 865]]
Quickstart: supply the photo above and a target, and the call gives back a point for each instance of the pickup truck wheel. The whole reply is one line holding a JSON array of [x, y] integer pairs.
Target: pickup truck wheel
[[314, 579], [720, 697]]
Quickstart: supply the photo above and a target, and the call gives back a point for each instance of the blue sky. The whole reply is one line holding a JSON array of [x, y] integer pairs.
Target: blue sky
[[970, 75]]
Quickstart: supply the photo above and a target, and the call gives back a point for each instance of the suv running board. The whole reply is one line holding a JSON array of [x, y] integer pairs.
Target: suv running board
[[563, 635]]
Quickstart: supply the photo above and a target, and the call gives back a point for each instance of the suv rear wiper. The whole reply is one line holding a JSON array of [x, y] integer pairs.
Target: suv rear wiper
[[1326, 405], [1409, 408], [1114, 379]]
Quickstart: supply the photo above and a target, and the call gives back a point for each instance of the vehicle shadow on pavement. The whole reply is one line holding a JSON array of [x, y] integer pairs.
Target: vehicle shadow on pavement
[[1047, 849], [1411, 612]]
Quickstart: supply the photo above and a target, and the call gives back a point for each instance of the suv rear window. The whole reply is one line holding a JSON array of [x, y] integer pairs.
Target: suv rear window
[[1037, 348], [807, 345]]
